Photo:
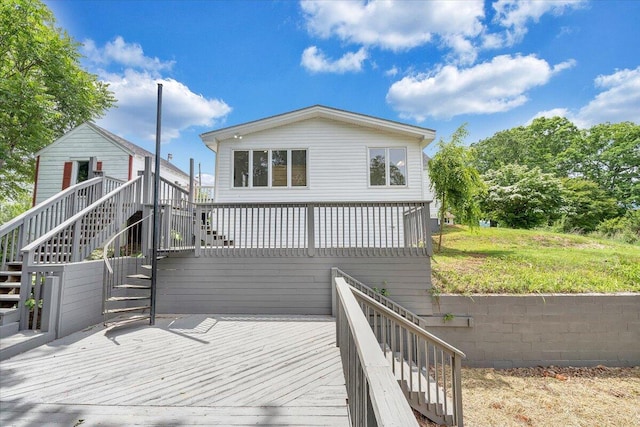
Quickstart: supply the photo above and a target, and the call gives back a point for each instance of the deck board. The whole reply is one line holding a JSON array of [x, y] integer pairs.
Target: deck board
[[187, 370]]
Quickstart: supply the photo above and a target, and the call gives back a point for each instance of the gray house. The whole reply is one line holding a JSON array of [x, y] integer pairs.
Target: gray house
[[317, 212]]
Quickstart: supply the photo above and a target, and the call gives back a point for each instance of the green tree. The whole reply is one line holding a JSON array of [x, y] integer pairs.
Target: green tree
[[10, 209], [519, 197], [585, 205], [44, 91], [540, 144], [609, 155], [455, 181]]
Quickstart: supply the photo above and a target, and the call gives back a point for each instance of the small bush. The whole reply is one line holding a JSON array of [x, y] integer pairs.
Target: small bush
[[624, 228]]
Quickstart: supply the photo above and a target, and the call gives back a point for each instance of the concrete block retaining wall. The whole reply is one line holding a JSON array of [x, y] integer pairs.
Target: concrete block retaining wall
[[530, 330]]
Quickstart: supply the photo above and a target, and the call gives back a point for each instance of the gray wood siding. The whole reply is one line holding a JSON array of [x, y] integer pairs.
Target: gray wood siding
[[79, 144], [283, 285], [337, 163]]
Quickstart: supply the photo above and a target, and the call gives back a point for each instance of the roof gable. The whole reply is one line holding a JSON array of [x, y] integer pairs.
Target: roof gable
[[423, 135], [128, 147]]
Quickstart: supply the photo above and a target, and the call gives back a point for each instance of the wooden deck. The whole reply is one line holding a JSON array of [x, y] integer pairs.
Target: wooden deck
[[187, 370]]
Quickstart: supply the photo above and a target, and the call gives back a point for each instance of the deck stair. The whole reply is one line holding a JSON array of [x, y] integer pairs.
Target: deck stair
[[420, 388], [210, 237], [9, 298], [427, 369], [132, 297]]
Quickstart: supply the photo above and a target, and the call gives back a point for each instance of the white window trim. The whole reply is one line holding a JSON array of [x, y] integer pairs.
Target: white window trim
[[269, 169], [387, 167]]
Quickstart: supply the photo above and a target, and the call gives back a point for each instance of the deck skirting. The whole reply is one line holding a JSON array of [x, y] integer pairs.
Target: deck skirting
[[283, 285]]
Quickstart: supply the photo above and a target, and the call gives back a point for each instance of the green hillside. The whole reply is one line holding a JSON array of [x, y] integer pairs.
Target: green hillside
[[499, 260]]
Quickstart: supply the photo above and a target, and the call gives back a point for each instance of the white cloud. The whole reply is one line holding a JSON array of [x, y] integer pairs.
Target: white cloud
[[135, 89], [392, 72], [619, 101], [515, 15], [314, 60], [120, 52], [491, 87], [395, 25]]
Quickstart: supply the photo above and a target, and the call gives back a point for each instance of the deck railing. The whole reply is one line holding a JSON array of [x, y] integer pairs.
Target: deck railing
[[204, 194], [427, 368], [171, 193], [377, 296], [323, 228], [374, 397], [177, 226], [39, 220], [123, 255], [74, 240]]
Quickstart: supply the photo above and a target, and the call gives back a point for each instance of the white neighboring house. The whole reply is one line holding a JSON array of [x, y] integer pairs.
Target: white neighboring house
[[320, 154], [66, 161]]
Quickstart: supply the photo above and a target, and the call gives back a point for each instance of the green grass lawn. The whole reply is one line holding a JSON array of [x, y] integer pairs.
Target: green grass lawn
[[499, 260]]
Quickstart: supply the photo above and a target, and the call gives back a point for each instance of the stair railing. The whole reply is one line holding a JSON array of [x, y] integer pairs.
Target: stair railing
[[75, 239], [428, 369], [372, 293], [124, 254], [39, 220], [374, 397]]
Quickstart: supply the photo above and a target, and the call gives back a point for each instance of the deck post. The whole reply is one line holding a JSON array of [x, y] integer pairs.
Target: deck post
[[197, 230], [334, 274], [192, 182], [311, 238]]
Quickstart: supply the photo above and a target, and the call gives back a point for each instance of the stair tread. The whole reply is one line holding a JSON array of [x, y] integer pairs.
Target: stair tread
[[127, 309], [128, 286], [139, 276], [426, 381], [120, 321], [128, 298], [11, 273], [9, 297]]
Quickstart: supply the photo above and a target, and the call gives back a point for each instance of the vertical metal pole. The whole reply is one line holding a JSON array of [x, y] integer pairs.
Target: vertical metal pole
[[156, 211], [192, 183]]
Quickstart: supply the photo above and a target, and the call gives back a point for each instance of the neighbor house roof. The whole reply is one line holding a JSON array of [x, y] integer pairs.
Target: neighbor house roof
[[424, 135], [127, 146]]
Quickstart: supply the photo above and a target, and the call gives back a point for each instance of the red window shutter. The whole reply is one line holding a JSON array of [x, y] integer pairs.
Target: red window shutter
[[66, 174], [99, 166]]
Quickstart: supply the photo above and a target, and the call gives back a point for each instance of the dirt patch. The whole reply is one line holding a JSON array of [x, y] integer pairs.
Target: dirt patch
[[551, 396]]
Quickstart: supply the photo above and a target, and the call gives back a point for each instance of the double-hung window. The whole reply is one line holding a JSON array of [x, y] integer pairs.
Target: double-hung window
[[269, 168], [387, 167]]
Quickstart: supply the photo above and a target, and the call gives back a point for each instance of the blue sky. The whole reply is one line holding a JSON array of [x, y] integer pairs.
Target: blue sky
[[438, 64]]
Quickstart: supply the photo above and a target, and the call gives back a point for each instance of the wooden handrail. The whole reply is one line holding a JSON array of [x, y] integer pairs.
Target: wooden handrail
[[47, 203], [410, 326], [427, 368], [76, 217], [379, 394]]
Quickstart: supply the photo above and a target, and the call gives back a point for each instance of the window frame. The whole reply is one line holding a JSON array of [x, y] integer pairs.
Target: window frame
[[387, 167], [270, 185]]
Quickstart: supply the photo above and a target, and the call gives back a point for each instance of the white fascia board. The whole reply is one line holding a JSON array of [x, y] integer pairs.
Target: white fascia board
[[424, 135]]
